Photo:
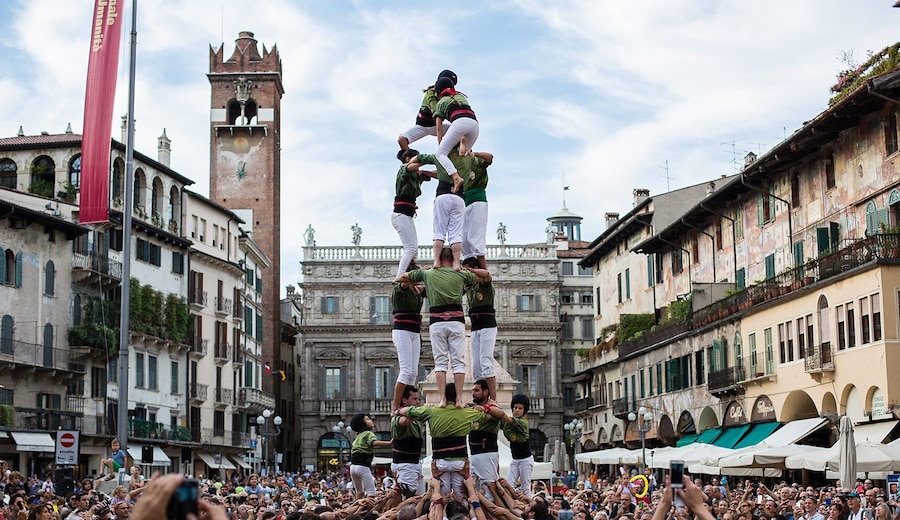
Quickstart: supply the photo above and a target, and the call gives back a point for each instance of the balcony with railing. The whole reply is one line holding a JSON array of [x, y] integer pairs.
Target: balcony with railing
[[197, 392], [381, 406], [254, 400], [95, 271], [332, 407], [819, 358], [16, 355], [223, 306], [237, 311], [197, 299], [652, 337], [224, 396], [584, 404], [755, 367], [726, 381], [198, 347], [222, 352], [620, 407]]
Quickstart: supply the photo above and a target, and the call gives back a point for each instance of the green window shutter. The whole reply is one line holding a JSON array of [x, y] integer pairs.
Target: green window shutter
[[619, 286], [760, 218], [19, 269], [770, 266], [741, 278], [627, 284], [822, 242], [2, 266], [798, 253], [650, 270], [597, 299]]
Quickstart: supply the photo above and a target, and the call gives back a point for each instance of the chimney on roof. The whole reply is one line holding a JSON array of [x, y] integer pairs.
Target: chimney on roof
[[710, 188], [640, 195], [164, 149], [69, 128], [610, 218], [749, 159], [44, 132], [21, 132]]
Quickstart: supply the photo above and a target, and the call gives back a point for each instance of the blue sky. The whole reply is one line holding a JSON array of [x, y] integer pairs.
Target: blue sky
[[602, 92]]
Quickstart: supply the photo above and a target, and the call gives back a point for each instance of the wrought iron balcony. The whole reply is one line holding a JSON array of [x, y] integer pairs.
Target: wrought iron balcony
[[755, 367], [819, 358], [197, 392], [620, 407], [722, 382], [583, 404]]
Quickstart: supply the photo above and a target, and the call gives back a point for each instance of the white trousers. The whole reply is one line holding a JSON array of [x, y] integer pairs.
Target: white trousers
[[482, 341], [363, 481], [409, 346], [462, 127], [485, 467], [409, 476], [448, 343], [520, 471], [449, 212], [474, 241], [451, 478], [406, 228]]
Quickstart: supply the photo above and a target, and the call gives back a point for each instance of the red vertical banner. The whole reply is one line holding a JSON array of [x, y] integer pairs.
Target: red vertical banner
[[99, 97]]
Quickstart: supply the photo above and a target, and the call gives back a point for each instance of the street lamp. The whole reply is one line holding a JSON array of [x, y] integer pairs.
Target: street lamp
[[573, 429], [265, 432], [644, 422], [341, 434]]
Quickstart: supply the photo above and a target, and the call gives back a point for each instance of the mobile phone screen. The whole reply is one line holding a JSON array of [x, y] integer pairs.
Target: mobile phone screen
[[676, 470]]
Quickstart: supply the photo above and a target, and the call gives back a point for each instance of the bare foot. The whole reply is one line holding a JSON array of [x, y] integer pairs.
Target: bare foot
[[442, 403], [436, 265], [460, 404], [463, 148], [456, 267]]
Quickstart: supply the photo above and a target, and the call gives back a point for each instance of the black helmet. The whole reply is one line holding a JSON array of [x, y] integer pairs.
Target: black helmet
[[521, 399], [442, 84], [448, 74]]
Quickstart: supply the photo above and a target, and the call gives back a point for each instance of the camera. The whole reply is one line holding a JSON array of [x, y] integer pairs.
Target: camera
[[676, 470], [184, 500]]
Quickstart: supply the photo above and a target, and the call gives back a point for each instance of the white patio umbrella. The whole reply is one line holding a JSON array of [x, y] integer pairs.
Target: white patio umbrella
[[870, 457], [690, 454], [847, 450], [610, 456], [761, 456]]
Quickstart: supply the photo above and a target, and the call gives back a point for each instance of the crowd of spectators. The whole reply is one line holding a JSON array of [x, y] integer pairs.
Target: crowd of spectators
[[330, 496]]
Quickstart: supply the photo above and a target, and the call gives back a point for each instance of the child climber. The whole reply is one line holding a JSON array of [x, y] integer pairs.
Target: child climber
[[361, 454], [516, 430]]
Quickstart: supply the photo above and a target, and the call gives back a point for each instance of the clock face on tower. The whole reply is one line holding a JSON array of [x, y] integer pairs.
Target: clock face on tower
[[241, 170]]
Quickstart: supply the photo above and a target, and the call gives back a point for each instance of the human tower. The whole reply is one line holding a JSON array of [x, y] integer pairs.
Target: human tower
[[463, 438]]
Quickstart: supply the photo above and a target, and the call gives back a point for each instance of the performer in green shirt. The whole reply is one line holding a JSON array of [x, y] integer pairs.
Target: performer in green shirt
[[517, 432], [361, 454], [425, 124]]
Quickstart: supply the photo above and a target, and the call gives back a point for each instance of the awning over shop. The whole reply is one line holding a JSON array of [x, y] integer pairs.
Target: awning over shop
[[687, 439], [240, 462], [709, 435], [159, 456], [210, 461], [31, 441], [731, 436], [795, 431], [757, 433], [873, 432]]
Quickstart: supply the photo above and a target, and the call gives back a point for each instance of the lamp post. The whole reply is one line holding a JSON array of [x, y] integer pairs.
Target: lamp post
[[341, 435], [265, 432], [644, 422], [573, 430]]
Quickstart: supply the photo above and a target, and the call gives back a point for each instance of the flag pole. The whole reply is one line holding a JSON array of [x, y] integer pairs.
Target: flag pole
[[125, 322]]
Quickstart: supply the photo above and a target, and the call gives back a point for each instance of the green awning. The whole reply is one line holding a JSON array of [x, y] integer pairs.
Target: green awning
[[687, 439], [757, 434], [731, 436], [709, 435]]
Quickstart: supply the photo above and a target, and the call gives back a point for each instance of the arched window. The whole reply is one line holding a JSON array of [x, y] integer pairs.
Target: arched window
[[157, 197], [7, 332], [250, 112], [75, 171], [49, 279], [43, 176], [140, 184], [8, 172], [118, 179], [48, 345], [174, 212], [9, 267]]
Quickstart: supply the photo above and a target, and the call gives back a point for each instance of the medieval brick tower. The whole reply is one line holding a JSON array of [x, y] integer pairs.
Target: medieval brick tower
[[245, 166]]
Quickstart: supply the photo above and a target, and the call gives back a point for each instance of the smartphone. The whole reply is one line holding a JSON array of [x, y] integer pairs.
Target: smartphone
[[676, 470], [828, 502], [184, 500]]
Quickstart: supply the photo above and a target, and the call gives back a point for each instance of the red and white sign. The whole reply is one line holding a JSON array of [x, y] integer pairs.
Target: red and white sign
[[67, 446]]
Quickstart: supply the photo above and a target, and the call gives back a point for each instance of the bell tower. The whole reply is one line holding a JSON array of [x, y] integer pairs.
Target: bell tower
[[245, 164]]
